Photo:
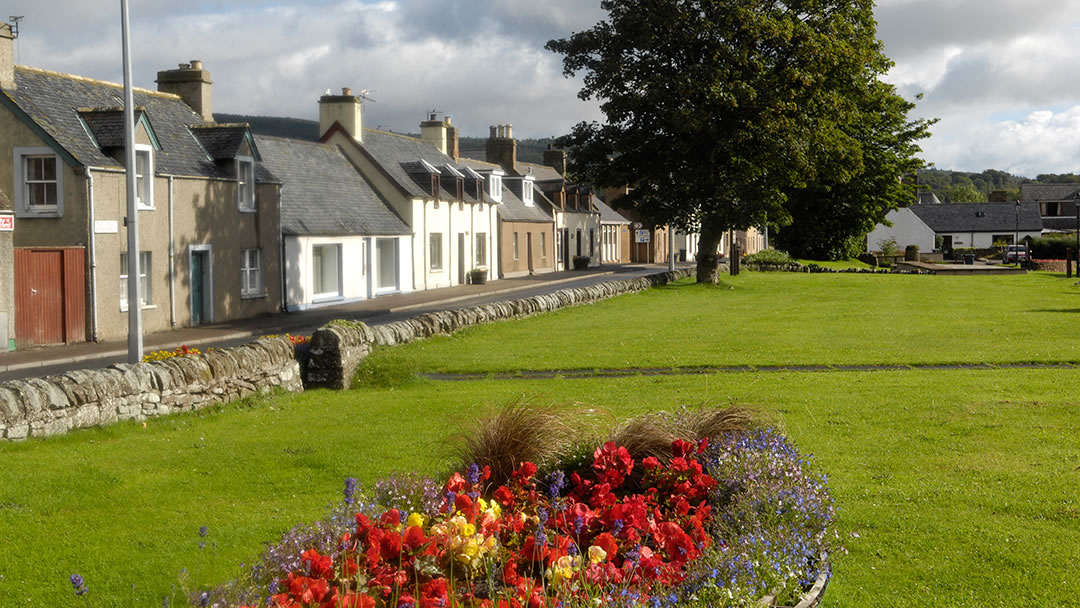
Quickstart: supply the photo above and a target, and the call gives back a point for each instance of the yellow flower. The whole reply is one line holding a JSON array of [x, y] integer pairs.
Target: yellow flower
[[416, 519], [596, 554]]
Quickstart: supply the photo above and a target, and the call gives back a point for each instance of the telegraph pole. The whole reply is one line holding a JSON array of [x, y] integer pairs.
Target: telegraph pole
[[135, 337]]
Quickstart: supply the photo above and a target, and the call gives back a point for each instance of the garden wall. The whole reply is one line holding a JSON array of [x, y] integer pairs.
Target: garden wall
[[337, 348], [42, 407]]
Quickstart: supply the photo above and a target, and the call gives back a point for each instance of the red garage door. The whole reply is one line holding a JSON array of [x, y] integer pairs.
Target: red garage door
[[50, 296]]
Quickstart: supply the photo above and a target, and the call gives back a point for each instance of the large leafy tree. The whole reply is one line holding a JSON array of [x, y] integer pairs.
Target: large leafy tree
[[830, 220], [717, 109]]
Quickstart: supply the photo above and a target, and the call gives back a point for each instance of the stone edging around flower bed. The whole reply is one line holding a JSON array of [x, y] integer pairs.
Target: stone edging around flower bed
[[810, 599], [42, 407], [336, 349]]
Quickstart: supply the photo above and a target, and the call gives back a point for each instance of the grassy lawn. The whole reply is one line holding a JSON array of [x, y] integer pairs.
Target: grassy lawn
[[837, 264], [784, 318], [959, 484]]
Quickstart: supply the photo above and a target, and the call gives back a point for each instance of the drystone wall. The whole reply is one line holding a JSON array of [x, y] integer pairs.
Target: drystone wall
[[42, 407], [336, 349]]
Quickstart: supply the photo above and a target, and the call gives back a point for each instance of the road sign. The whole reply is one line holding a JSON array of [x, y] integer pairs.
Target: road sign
[[641, 236]]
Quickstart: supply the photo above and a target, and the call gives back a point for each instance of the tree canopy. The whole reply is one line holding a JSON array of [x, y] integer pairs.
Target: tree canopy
[[717, 110]]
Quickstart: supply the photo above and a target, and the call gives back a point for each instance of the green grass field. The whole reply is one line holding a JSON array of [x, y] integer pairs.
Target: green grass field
[[955, 487]]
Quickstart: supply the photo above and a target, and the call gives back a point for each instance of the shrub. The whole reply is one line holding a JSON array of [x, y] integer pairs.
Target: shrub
[[911, 253], [581, 262], [888, 247], [769, 257], [1052, 246]]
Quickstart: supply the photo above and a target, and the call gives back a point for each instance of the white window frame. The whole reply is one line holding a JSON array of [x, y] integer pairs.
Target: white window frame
[[435, 256], [326, 295], [251, 275], [481, 249], [23, 208], [245, 189], [146, 261], [527, 191], [495, 186], [144, 184]]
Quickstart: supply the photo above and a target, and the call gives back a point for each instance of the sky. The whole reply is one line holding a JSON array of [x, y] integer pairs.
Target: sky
[[998, 74]]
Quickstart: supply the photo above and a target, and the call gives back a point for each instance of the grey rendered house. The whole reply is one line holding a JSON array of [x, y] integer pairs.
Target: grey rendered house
[[335, 228], [208, 208]]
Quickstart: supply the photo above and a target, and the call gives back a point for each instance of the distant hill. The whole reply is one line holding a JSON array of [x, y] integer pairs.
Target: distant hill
[[955, 186], [529, 150]]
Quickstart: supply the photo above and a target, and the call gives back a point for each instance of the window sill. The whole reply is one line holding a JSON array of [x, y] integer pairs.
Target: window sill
[[124, 307], [247, 209], [253, 296], [323, 298], [139, 207], [34, 214]]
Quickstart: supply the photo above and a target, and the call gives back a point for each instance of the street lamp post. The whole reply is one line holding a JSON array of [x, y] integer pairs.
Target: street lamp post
[[1016, 239]]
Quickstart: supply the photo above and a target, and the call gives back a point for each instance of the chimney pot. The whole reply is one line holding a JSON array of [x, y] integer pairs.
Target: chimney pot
[[184, 66], [346, 91], [509, 131], [192, 84], [196, 64], [446, 120], [492, 133]]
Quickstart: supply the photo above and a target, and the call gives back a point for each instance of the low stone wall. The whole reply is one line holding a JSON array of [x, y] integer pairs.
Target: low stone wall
[[41, 407], [336, 349], [1049, 265]]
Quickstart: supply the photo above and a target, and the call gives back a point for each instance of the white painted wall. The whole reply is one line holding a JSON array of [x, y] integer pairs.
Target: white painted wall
[[906, 228], [452, 220], [358, 269], [578, 220], [985, 240], [689, 242]]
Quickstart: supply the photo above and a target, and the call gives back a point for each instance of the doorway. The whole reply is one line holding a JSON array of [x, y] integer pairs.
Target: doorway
[[528, 251], [202, 285], [461, 258]]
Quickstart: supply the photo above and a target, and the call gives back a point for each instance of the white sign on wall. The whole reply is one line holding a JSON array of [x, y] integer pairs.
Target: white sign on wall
[[7, 223], [106, 227], [641, 236]]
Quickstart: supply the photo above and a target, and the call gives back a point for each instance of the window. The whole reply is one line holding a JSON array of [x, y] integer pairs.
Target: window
[[515, 245], [144, 177], [527, 191], [245, 183], [495, 186], [251, 284], [435, 251], [592, 242], [146, 294], [326, 271], [386, 253], [481, 249], [543, 244], [39, 183]]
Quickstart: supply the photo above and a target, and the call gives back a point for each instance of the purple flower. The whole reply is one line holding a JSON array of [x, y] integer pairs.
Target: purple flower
[[79, 584], [473, 475], [556, 483], [350, 490], [203, 531]]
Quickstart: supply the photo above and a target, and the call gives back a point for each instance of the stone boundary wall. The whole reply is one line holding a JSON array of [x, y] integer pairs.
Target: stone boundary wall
[[336, 349], [42, 407], [1049, 265]]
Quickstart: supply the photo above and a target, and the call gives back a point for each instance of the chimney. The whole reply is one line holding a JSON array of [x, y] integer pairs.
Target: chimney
[[452, 146], [192, 83], [7, 57], [344, 109], [433, 131], [556, 159], [502, 149]]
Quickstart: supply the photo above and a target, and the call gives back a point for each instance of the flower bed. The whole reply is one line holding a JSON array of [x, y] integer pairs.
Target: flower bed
[[712, 523]]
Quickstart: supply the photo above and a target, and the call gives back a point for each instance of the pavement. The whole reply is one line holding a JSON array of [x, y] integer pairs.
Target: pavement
[[23, 362]]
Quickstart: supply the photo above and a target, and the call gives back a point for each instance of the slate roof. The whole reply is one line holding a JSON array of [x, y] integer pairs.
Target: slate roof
[[512, 208], [324, 193], [979, 217], [107, 124], [222, 141], [399, 156], [1042, 193], [540, 172], [609, 215], [52, 100]]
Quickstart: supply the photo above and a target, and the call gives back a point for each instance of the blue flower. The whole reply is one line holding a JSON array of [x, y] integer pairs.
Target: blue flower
[[79, 584]]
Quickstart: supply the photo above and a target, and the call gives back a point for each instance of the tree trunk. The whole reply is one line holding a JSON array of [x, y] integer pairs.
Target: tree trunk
[[708, 260]]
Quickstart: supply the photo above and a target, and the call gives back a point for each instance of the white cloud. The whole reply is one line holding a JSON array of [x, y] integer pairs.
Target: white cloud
[[977, 61]]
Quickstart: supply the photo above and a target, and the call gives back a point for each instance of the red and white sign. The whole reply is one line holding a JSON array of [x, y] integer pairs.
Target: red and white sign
[[7, 223]]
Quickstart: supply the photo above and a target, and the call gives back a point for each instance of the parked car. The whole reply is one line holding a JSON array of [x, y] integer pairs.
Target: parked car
[[1015, 253]]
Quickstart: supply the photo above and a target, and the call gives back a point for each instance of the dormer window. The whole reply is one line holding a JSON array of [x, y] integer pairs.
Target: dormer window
[[527, 191], [144, 176], [495, 185], [245, 183]]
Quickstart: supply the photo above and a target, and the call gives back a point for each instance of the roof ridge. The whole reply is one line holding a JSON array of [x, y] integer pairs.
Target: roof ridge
[[402, 136], [96, 81]]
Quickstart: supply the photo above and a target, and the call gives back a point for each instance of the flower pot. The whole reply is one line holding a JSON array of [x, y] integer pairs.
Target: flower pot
[[478, 276]]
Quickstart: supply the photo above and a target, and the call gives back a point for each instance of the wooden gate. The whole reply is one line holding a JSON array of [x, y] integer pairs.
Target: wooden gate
[[50, 296]]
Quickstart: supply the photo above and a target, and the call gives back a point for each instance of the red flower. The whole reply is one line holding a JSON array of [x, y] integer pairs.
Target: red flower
[[414, 539], [320, 566]]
